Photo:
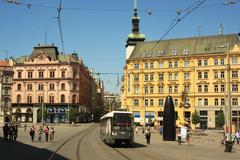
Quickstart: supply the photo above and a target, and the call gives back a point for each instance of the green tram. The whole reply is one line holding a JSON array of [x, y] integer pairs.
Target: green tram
[[117, 128]]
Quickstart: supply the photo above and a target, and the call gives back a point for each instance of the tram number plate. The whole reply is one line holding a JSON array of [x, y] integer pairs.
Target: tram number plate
[[122, 132]]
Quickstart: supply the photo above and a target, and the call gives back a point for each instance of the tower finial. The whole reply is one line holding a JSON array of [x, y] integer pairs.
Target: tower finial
[[135, 7]]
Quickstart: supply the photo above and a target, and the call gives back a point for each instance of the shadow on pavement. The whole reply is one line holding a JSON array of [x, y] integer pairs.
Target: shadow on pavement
[[17, 150], [135, 145]]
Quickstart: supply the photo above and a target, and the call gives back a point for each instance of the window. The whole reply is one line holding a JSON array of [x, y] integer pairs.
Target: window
[[136, 102], [19, 87], [169, 64], [146, 102], [175, 102], [19, 74], [63, 74], [160, 89], [151, 77], [74, 86], [136, 66], [146, 77], [62, 98], [40, 87], [40, 74], [29, 87], [51, 86], [160, 64], [174, 52], [186, 76], [222, 74], [175, 64], [40, 99], [146, 65], [63, 86], [52, 74], [199, 88], [215, 88], [187, 88], [215, 62], [160, 76], [7, 79], [234, 87], [222, 102], [199, 62], [51, 99], [200, 102], [18, 98], [186, 63], [74, 99], [205, 102], [75, 72], [205, 88], [215, 74], [234, 60], [160, 102], [151, 89], [234, 101], [222, 62], [175, 76], [170, 76], [146, 89], [222, 88], [216, 101], [29, 99], [169, 89], [205, 62], [151, 65], [234, 74], [175, 89], [151, 102], [185, 51], [136, 90], [199, 75], [136, 78], [205, 75]]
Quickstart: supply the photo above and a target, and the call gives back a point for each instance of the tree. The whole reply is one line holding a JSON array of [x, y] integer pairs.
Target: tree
[[195, 117], [39, 115], [72, 115], [220, 119]]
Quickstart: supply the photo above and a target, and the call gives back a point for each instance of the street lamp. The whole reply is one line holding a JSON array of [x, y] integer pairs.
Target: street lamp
[[228, 110]]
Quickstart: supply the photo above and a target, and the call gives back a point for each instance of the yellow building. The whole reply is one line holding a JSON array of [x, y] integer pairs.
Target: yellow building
[[191, 70]]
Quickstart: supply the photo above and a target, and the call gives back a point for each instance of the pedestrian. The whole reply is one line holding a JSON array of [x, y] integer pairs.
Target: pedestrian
[[5, 132], [136, 130], [148, 135], [32, 133], [143, 131], [179, 136], [40, 133], [25, 127], [51, 132], [46, 131], [15, 132], [161, 130], [188, 137], [238, 137], [10, 133]]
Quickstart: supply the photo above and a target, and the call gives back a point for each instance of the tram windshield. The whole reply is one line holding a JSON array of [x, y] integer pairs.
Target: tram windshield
[[122, 119]]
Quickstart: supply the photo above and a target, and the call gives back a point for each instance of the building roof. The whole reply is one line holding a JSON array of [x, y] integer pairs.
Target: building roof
[[194, 45], [4, 63]]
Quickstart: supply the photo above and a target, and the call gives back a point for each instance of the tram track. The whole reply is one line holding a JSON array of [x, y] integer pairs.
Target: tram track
[[81, 134]]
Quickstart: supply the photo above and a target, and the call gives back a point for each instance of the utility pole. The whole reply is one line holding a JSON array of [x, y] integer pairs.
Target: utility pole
[[228, 128]]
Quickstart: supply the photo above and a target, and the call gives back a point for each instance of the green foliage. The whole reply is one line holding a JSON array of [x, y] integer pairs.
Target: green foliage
[[72, 115], [195, 117], [39, 114], [220, 119]]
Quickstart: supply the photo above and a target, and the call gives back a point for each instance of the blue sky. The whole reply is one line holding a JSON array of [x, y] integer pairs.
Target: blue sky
[[97, 29]]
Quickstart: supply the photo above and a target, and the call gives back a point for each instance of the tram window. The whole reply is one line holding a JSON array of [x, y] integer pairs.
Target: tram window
[[122, 118]]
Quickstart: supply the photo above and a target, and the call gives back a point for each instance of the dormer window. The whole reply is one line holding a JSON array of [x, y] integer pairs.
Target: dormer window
[[185, 51], [160, 53], [174, 52], [136, 66]]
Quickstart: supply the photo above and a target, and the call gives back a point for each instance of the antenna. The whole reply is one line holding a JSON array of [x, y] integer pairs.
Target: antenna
[[221, 29], [45, 36], [199, 30]]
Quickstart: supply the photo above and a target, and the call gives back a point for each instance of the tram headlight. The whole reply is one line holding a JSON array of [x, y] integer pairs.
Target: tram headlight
[[114, 133]]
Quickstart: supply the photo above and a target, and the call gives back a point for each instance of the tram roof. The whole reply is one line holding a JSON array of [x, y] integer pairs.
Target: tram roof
[[110, 114]]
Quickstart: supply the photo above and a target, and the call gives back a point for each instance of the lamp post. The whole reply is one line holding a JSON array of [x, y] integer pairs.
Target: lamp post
[[43, 106], [228, 110]]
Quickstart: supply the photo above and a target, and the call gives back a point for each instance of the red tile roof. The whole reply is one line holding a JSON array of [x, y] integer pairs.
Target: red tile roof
[[4, 63]]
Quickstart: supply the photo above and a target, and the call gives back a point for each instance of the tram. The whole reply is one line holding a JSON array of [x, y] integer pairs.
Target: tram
[[117, 128]]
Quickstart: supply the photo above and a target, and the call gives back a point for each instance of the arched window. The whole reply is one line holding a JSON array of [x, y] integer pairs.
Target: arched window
[[18, 98], [29, 99], [63, 86], [51, 99], [62, 98], [19, 87]]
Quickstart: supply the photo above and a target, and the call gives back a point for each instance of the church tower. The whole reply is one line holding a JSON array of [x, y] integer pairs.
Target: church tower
[[135, 36]]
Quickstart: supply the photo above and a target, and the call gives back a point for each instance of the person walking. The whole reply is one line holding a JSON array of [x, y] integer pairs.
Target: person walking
[[148, 135], [179, 136], [15, 132], [136, 130], [32, 133], [40, 133], [5, 132], [46, 131], [188, 137], [51, 132], [10, 133], [25, 127]]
